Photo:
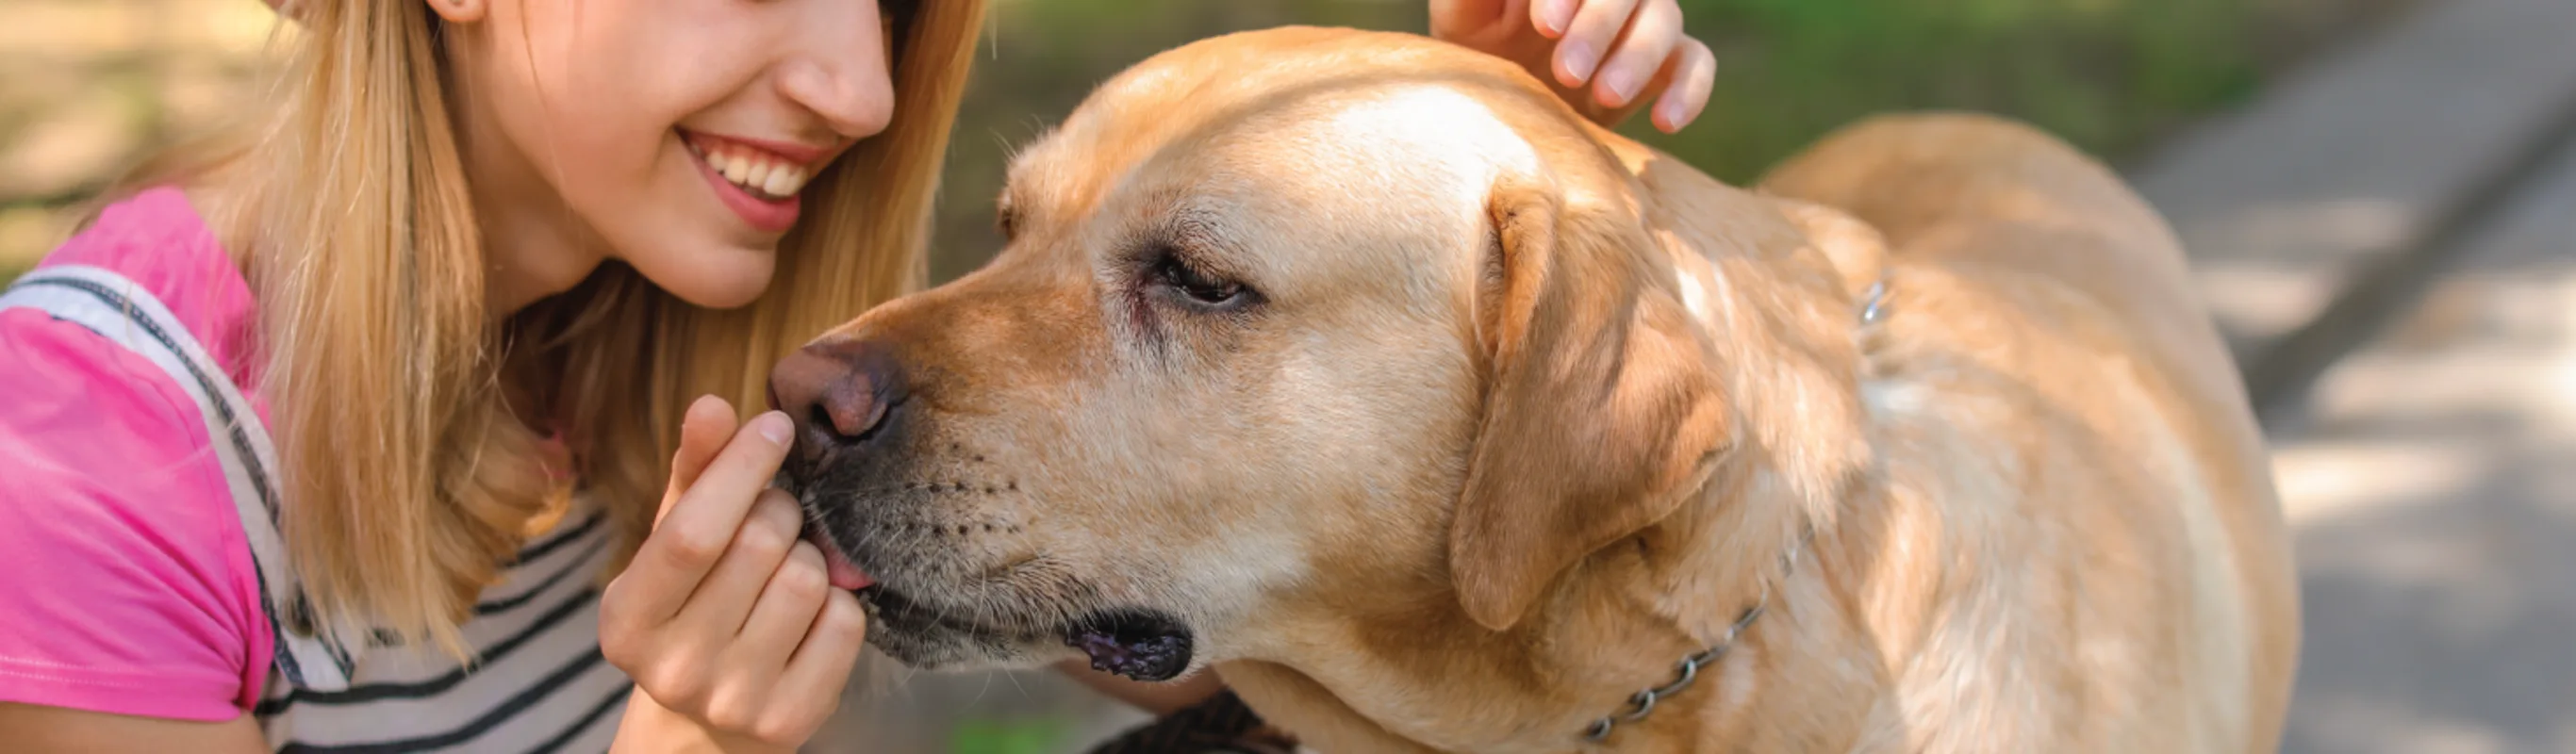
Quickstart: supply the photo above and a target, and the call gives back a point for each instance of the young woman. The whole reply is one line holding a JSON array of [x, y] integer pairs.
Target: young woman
[[406, 416]]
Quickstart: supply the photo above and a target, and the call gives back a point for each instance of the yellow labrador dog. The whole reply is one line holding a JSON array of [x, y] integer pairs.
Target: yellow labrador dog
[[1432, 417]]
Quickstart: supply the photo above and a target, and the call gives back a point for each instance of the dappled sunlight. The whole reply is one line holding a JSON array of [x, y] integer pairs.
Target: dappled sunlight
[[2320, 481], [2433, 490], [89, 86], [2277, 289], [2362, 724]]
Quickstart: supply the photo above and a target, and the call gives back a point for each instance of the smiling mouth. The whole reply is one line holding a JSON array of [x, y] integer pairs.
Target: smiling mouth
[[765, 176]]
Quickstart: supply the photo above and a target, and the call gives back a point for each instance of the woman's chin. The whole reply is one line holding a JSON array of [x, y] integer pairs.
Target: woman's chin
[[726, 279]]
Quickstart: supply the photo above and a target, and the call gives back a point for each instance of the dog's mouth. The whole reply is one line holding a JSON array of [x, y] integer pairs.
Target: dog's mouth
[[843, 573], [898, 612], [925, 621], [1140, 644], [1144, 645]]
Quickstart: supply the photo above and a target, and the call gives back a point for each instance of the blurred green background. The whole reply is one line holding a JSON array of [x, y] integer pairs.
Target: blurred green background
[[2110, 75], [87, 86]]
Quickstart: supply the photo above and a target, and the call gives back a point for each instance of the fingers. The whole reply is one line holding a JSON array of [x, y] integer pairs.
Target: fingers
[[702, 523], [1640, 53], [1588, 37], [703, 430], [1694, 75], [787, 607], [798, 701], [821, 665], [708, 617], [1553, 16], [721, 605]]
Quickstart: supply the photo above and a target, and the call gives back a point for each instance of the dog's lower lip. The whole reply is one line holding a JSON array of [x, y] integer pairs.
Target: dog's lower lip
[[892, 606]]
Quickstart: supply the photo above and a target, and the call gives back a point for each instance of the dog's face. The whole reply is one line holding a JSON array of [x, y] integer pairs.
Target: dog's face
[[1231, 381]]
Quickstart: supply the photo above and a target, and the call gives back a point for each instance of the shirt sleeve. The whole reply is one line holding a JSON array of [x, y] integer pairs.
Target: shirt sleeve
[[125, 584]]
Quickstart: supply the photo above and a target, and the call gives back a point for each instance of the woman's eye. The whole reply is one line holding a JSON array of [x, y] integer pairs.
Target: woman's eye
[[1199, 286]]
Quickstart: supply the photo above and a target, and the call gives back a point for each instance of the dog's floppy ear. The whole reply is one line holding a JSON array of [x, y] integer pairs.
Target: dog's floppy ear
[[1601, 409]]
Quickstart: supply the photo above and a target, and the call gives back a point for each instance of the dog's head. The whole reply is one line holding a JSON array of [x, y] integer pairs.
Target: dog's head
[[1294, 331]]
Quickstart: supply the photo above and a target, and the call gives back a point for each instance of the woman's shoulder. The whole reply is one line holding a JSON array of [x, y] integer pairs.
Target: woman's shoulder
[[157, 241], [82, 402], [131, 590]]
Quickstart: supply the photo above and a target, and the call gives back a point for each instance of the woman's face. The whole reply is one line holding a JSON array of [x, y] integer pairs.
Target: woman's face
[[674, 135]]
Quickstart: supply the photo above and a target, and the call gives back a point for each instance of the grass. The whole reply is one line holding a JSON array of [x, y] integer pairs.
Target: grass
[[981, 735], [2107, 75]]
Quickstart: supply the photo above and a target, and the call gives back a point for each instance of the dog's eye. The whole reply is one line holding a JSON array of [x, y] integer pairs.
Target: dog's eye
[[1201, 287]]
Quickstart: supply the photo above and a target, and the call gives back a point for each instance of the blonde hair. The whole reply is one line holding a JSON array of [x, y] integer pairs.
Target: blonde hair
[[410, 475]]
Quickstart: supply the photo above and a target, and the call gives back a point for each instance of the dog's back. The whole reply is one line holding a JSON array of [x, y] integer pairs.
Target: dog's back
[[2045, 308]]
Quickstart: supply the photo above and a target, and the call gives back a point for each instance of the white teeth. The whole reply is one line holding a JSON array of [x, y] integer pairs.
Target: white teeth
[[784, 181], [736, 169], [754, 171]]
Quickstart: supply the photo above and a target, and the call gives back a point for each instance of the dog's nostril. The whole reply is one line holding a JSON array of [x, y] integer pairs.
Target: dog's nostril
[[841, 392], [820, 419]]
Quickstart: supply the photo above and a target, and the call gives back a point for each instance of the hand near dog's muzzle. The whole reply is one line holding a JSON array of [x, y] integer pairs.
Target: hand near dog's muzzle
[[1607, 58], [726, 619]]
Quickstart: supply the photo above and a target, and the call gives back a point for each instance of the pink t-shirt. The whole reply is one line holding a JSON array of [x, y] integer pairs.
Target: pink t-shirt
[[125, 583]]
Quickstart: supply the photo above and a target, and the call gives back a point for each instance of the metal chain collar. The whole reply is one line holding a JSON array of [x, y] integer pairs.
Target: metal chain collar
[[1686, 671], [1643, 702]]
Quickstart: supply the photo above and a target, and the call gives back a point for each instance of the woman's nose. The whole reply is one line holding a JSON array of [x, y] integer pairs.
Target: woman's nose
[[839, 71]]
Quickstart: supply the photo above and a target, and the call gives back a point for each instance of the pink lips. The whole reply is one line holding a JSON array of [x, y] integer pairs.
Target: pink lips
[[761, 213]]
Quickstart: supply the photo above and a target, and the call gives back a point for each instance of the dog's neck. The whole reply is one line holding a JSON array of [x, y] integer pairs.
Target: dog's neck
[[1615, 625]]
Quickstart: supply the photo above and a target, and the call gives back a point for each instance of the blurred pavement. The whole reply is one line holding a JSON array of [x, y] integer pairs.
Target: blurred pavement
[[2389, 239], [2432, 482]]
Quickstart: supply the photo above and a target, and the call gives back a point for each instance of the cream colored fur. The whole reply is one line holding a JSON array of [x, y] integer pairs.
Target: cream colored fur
[[1525, 412]]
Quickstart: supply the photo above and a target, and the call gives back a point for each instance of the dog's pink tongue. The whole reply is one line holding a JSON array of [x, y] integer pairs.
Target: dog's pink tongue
[[844, 574]]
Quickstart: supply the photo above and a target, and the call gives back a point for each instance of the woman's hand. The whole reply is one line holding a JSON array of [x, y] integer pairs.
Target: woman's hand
[[726, 619], [1629, 52]]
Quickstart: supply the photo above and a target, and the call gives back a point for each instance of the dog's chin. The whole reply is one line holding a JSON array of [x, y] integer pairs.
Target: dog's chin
[[925, 638], [1140, 644]]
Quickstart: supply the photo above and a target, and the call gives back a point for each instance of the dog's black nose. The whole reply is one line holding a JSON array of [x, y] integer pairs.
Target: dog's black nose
[[839, 391]]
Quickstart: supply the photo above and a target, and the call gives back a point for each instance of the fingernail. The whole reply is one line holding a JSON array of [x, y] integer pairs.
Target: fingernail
[[1622, 83], [775, 426], [1671, 113], [1557, 14], [1577, 59]]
